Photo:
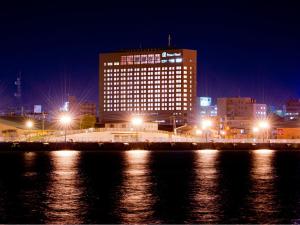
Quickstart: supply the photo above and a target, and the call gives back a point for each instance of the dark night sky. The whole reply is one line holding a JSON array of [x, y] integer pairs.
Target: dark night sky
[[246, 48]]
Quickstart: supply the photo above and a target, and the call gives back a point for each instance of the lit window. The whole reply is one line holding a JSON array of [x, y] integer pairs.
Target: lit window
[[143, 59], [137, 59]]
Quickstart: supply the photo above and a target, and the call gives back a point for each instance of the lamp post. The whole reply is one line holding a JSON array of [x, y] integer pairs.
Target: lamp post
[[29, 126], [255, 130], [65, 121], [137, 122], [265, 126], [223, 134], [206, 124]]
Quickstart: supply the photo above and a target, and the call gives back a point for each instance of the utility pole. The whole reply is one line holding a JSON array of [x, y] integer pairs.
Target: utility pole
[[43, 123]]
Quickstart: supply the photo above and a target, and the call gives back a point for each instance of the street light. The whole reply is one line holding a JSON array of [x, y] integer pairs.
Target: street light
[[223, 133], [136, 121], [199, 132], [255, 130], [206, 124], [29, 126], [265, 126], [65, 120]]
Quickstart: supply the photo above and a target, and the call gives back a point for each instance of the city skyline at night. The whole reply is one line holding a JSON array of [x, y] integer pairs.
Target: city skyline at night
[[247, 49]]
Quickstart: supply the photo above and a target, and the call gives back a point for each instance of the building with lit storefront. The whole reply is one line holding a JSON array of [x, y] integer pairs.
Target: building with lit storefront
[[158, 84]]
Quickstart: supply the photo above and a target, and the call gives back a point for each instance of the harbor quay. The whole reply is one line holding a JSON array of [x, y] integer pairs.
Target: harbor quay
[[153, 146]]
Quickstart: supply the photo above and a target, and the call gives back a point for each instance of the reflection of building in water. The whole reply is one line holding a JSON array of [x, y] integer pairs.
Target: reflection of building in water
[[137, 199], [205, 205], [65, 192], [262, 192]]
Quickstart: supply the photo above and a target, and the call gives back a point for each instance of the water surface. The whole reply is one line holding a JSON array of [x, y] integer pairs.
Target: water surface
[[205, 186]]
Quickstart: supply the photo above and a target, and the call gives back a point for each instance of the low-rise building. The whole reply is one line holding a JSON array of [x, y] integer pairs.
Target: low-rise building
[[292, 109], [239, 114], [81, 108]]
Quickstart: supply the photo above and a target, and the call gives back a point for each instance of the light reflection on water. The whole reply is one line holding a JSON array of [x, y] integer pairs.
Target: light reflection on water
[[64, 192], [137, 198], [205, 203], [262, 191], [205, 186]]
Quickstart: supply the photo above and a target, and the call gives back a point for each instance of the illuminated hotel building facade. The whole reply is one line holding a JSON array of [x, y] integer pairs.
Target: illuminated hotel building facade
[[157, 84]]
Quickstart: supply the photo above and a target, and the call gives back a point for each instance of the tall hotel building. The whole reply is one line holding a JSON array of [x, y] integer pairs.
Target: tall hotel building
[[158, 84]]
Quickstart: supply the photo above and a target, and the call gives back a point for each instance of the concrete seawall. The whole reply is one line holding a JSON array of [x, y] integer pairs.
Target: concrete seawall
[[119, 146]]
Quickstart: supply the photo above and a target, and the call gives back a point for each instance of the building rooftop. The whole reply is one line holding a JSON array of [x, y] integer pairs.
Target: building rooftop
[[146, 50]]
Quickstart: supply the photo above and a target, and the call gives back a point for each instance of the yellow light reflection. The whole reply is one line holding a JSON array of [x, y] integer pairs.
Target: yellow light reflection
[[65, 191], [137, 198], [264, 151], [205, 200], [263, 179], [30, 158], [65, 153]]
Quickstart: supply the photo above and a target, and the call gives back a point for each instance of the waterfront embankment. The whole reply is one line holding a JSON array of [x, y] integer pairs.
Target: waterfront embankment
[[120, 146]]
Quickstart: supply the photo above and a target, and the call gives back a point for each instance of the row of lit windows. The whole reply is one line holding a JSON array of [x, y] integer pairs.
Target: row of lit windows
[[144, 95], [145, 104], [161, 78], [170, 99], [179, 100], [117, 83], [147, 109], [147, 69], [148, 95], [122, 74], [149, 83], [116, 92]]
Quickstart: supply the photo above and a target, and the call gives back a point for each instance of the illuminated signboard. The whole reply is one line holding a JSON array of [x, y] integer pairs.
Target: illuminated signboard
[[37, 109], [151, 59], [157, 58], [205, 101], [144, 59], [130, 59], [137, 59]]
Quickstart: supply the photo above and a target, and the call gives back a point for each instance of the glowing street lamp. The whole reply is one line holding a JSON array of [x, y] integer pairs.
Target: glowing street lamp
[[65, 120], [206, 124], [223, 133], [137, 121], [255, 130], [264, 125], [29, 125], [199, 132]]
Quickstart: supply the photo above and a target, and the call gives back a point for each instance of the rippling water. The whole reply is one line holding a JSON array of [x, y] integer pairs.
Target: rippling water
[[205, 186]]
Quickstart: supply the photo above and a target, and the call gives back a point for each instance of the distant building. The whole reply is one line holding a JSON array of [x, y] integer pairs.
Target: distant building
[[292, 109], [206, 109], [276, 111], [239, 114], [159, 84], [81, 108], [287, 130]]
